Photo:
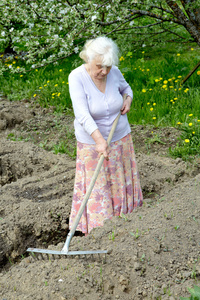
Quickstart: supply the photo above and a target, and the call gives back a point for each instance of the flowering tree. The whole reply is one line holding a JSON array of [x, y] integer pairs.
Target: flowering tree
[[49, 30]]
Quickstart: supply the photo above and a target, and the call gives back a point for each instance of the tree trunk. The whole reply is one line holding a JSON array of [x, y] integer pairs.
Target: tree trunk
[[191, 23]]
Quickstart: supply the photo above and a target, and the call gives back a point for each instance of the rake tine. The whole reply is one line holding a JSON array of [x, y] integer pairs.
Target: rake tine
[[33, 255], [37, 256]]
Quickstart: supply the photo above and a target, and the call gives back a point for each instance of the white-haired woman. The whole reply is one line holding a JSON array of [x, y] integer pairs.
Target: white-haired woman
[[96, 89]]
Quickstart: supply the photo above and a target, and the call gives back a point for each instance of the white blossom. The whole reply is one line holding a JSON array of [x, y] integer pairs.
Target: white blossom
[[93, 18]]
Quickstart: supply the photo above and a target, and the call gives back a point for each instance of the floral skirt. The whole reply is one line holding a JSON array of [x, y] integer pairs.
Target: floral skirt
[[117, 189]]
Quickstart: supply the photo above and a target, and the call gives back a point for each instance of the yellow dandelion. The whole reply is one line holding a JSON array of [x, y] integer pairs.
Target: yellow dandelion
[[178, 54], [148, 103], [63, 82], [143, 52], [67, 82], [143, 90], [154, 103], [187, 140], [21, 75], [180, 89], [175, 98], [193, 132], [156, 80], [45, 85], [58, 94], [34, 95], [160, 78], [171, 87], [36, 70], [179, 76], [56, 84], [198, 120], [190, 124], [169, 79], [151, 108], [154, 118], [190, 115], [192, 49], [178, 123], [198, 72], [14, 62], [40, 87], [186, 90], [171, 101], [164, 86], [60, 70], [48, 81], [165, 81], [148, 70], [18, 67]]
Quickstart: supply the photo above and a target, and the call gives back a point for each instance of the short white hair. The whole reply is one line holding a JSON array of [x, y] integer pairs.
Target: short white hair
[[103, 48]]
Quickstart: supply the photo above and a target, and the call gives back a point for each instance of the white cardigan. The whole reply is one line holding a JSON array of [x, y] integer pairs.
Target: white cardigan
[[96, 110]]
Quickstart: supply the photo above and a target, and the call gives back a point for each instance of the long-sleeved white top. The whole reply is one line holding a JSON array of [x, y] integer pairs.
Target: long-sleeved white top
[[96, 110]]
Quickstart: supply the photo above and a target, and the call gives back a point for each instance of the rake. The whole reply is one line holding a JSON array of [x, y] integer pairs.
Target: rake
[[65, 249]]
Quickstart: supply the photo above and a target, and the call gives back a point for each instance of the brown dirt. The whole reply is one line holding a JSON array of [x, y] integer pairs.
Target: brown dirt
[[153, 252]]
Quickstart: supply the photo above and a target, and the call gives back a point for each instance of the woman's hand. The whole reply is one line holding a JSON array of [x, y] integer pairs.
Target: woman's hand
[[102, 148], [101, 144], [126, 105]]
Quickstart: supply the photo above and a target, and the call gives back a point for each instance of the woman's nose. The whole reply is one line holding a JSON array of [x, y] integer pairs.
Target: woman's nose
[[105, 70]]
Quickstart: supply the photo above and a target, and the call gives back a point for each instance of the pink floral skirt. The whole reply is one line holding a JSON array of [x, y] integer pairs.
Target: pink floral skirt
[[117, 189]]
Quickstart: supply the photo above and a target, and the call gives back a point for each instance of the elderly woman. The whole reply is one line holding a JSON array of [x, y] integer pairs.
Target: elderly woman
[[96, 89]]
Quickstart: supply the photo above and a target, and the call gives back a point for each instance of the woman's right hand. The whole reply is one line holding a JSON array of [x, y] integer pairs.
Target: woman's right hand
[[102, 148], [101, 144]]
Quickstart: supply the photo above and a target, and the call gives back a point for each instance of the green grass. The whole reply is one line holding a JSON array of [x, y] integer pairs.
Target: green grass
[[195, 294], [155, 75]]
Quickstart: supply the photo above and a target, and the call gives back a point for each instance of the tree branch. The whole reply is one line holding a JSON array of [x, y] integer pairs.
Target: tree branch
[[155, 16]]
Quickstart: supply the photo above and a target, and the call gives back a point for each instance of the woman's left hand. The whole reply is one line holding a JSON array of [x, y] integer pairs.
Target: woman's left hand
[[126, 105]]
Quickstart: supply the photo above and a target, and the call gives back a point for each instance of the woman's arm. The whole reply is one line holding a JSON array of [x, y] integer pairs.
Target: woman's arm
[[101, 144], [126, 105], [80, 104]]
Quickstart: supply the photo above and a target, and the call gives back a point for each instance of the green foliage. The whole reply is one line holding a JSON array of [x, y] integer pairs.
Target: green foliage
[[195, 294], [47, 31], [136, 235], [189, 144]]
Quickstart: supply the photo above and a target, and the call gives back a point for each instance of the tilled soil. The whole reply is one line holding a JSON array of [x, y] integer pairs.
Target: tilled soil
[[153, 253]]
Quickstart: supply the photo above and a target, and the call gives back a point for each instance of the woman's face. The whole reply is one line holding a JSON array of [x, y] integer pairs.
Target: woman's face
[[97, 70]]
